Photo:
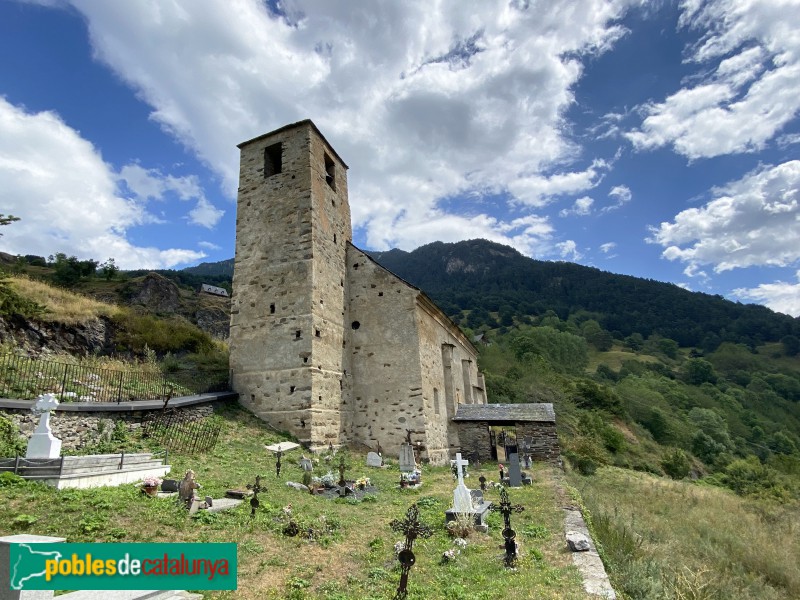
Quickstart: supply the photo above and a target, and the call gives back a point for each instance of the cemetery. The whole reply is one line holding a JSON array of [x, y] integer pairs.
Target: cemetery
[[337, 523]]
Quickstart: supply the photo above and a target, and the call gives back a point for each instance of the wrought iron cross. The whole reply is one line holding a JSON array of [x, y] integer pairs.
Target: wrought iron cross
[[411, 527], [256, 487], [342, 467], [509, 535]]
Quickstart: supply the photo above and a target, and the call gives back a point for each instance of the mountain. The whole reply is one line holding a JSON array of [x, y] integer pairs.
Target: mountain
[[483, 277], [223, 268]]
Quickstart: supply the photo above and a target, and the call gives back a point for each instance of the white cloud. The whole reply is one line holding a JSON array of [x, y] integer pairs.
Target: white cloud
[[779, 296], [209, 245], [750, 222], [569, 250], [66, 196], [607, 247], [746, 89], [423, 101], [581, 207], [621, 195], [147, 184]]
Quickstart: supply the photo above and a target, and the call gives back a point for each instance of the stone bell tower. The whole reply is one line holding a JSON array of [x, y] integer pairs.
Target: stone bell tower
[[287, 351]]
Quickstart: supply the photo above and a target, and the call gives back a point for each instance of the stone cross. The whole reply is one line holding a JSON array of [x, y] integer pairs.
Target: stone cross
[[411, 527], [509, 535], [43, 444], [462, 500]]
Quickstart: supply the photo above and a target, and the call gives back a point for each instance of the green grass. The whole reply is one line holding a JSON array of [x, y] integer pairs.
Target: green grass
[[678, 540], [351, 554]]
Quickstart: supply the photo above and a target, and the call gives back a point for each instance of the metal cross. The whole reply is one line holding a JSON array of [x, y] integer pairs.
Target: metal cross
[[256, 487], [509, 535], [278, 455], [342, 467], [411, 527]]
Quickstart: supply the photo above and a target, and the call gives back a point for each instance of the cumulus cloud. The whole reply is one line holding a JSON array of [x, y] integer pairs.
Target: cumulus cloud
[[750, 222], [621, 194], [581, 207], [67, 197], [745, 91], [779, 296], [424, 102], [607, 247], [568, 250]]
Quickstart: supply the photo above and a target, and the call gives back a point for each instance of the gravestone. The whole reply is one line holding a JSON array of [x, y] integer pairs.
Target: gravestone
[[43, 444], [374, 459], [306, 464], [407, 461], [462, 501], [514, 472], [170, 485]]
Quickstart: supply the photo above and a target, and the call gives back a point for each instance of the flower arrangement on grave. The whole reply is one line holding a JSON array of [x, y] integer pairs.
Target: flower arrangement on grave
[[150, 485], [329, 480], [362, 482], [449, 555], [399, 547]]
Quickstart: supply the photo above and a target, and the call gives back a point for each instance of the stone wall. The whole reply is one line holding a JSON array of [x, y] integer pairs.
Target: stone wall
[[544, 440], [475, 440], [77, 430], [292, 227]]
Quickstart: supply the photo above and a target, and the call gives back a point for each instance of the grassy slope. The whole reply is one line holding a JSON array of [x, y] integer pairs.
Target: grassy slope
[[355, 559], [675, 539]]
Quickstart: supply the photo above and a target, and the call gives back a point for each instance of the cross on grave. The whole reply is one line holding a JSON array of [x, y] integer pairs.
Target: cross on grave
[[509, 535], [256, 487], [342, 467], [278, 455], [462, 501], [411, 527]]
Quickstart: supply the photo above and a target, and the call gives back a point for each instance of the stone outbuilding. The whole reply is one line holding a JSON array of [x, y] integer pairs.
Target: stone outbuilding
[[532, 427]]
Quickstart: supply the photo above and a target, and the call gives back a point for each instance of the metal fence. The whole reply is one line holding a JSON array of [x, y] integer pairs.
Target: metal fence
[[180, 434], [23, 378]]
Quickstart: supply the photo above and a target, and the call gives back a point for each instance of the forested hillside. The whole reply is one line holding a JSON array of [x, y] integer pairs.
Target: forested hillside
[[483, 283]]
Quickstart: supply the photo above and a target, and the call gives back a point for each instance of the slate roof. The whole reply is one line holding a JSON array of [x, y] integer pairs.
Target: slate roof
[[542, 412]]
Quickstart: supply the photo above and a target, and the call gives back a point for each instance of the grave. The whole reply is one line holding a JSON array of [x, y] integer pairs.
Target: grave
[[43, 444], [466, 501], [374, 460], [306, 464], [407, 462], [514, 472]]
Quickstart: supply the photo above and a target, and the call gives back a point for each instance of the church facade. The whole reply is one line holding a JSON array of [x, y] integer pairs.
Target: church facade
[[325, 344]]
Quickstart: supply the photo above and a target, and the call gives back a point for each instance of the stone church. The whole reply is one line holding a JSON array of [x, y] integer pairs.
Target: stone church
[[326, 344]]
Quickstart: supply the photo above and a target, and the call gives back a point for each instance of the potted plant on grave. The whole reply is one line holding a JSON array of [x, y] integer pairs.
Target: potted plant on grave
[[362, 482], [150, 485]]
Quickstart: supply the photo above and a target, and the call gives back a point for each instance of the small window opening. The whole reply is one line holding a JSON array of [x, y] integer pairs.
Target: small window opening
[[355, 266], [273, 160], [341, 282], [297, 334], [320, 398], [317, 333], [334, 238], [302, 423], [305, 359], [341, 384], [355, 325], [272, 309], [330, 172], [380, 293], [333, 202], [291, 389]]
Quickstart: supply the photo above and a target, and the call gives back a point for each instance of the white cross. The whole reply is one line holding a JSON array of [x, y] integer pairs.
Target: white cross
[[460, 463]]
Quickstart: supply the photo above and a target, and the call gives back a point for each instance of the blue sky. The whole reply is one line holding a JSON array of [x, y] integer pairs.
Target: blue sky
[[656, 139]]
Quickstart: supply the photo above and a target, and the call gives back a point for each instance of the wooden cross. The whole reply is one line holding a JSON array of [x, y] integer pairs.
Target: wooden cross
[[509, 535], [411, 527]]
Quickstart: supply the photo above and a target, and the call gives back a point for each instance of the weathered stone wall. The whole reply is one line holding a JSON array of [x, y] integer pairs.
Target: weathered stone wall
[[449, 367], [475, 440], [544, 440], [286, 330], [77, 430], [384, 346]]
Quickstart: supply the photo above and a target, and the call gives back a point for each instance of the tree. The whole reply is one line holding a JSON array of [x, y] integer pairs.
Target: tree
[[7, 220], [697, 371], [109, 269], [676, 464], [791, 345]]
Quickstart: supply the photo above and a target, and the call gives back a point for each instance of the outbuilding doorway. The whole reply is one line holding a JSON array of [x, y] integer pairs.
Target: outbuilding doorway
[[503, 441]]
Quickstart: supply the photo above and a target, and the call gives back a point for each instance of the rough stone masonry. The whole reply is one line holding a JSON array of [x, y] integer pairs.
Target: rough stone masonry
[[326, 344]]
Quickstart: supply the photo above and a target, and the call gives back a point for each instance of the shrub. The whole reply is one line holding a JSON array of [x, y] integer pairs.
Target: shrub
[[11, 442], [676, 464]]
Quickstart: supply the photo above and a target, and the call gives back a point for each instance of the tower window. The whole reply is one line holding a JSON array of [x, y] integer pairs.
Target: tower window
[[355, 325], [317, 333], [273, 159], [297, 334], [291, 389], [334, 238], [272, 309], [330, 172]]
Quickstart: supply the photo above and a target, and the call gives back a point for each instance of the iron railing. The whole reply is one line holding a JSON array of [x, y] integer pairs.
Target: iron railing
[[180, 434], [24, 378]]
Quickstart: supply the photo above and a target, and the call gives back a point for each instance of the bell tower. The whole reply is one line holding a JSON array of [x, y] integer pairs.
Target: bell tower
[[287, 340]]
